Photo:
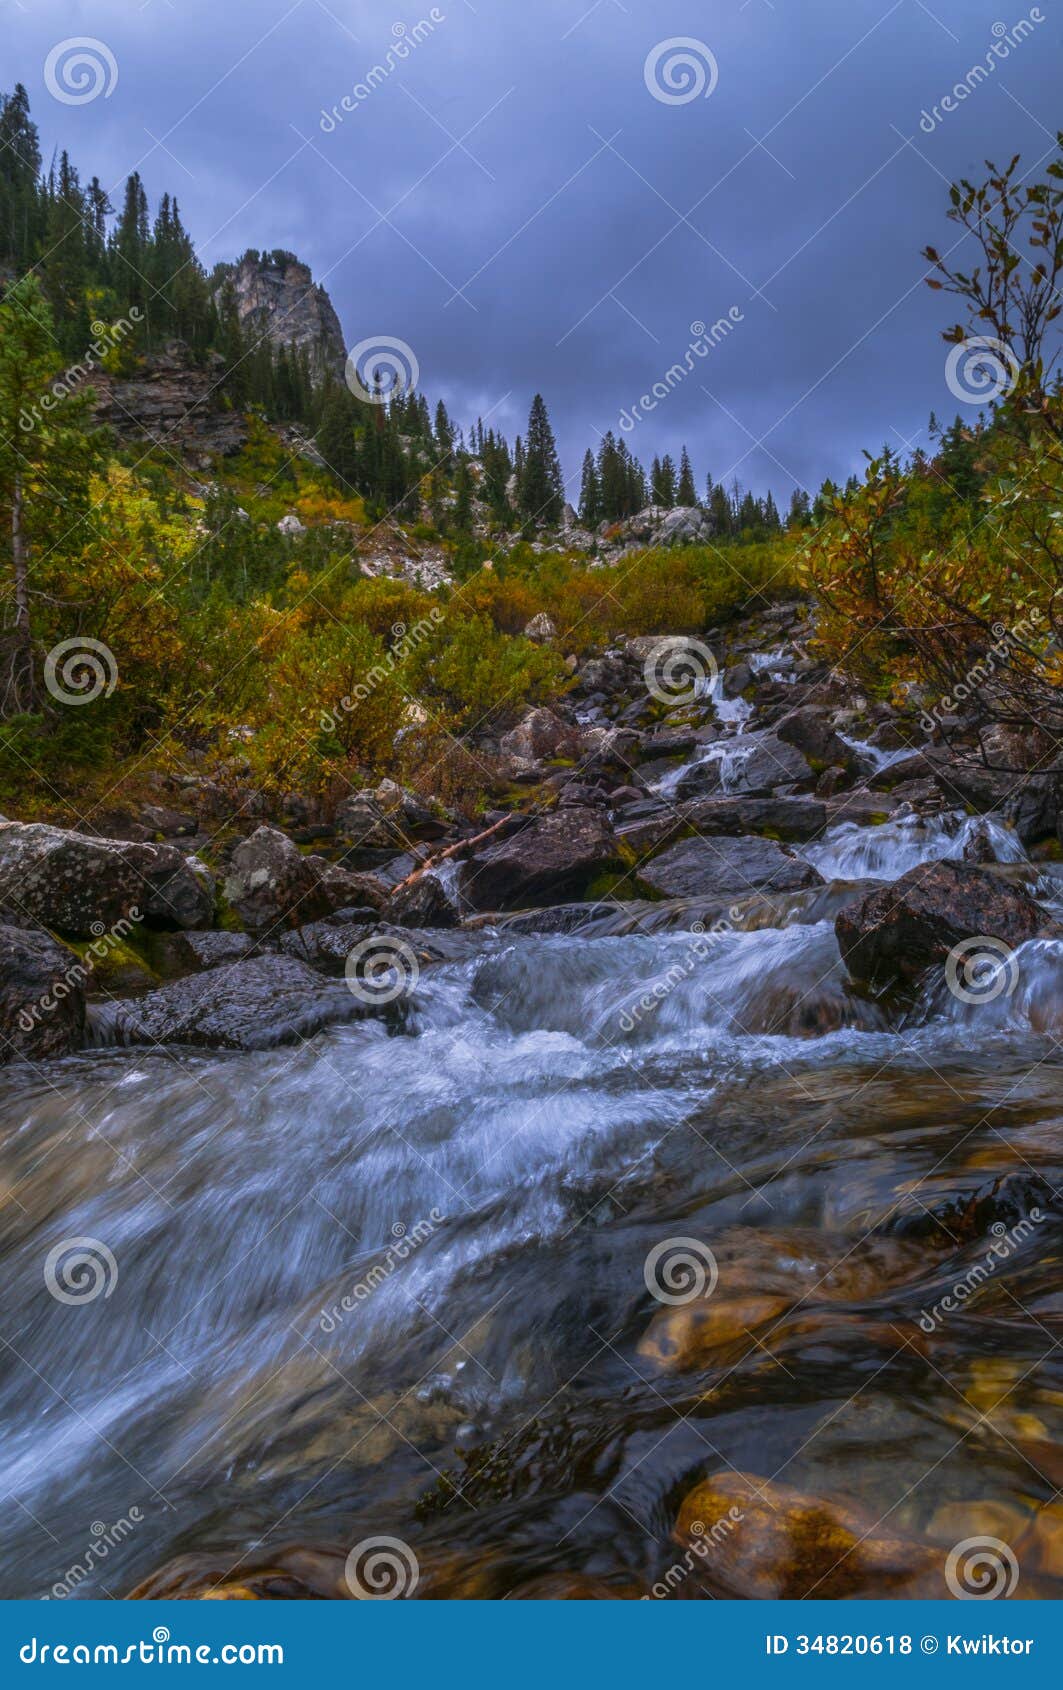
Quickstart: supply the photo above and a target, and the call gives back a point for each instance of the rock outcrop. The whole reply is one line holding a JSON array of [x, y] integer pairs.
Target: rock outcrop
[[277, 296], [172, 402]]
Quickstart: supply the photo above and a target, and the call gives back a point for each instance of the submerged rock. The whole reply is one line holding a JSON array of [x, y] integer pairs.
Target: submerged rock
[[678, 1339], [897, 932], [768, 1541], [726, 867], [962, 1216]]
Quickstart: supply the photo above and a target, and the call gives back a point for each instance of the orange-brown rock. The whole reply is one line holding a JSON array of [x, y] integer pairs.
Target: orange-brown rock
[[787, 1544]]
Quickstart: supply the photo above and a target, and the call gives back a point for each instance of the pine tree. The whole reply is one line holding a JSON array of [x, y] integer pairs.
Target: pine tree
[[590, 496], [662, 482], [21, 208], [686, 492], [335, 436], [540, 491], [461, 515]]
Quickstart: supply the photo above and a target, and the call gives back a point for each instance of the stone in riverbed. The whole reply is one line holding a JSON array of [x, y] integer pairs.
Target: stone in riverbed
[[42, 997], [808, 728], [679, 1339], [789, 818], [769, 1541], [726, 867], [74, 882], [550, 860], [249, 1005], [270, 884], [898, 932], [771, 764]]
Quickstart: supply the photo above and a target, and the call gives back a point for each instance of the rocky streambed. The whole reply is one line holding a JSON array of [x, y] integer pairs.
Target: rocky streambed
[[658, 1197]]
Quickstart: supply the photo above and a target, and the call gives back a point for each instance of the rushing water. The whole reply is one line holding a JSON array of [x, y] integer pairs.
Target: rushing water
[[395, 1285]]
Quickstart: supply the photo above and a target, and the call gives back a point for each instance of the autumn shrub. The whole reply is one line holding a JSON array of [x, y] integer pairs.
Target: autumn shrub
[[468, 672], [332, 704]]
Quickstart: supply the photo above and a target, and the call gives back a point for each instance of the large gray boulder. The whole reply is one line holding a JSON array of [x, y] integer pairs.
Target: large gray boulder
[[42, 996], [552, 859], [808, 728], [540, 734], [726, 868], [387, 816], [252, 1005], [81, 885]]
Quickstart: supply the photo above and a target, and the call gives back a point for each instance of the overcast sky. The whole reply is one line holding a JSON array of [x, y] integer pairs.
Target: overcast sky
[[516, 201]]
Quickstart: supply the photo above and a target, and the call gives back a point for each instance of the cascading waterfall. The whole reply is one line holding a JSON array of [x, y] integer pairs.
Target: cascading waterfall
[[346, 1269]]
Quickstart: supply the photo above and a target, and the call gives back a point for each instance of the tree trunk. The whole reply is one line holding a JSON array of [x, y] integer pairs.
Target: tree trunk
[[22, 661]]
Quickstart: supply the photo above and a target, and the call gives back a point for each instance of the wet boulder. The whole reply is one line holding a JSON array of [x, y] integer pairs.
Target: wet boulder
[[899, 931], [771, 763], [808, 729], [1030, 803], [42, 996], [769, 1541], [428, 902], [551, 859], [78, 884], [726, 867], [786, 818], [248, 1005], [190, 952]]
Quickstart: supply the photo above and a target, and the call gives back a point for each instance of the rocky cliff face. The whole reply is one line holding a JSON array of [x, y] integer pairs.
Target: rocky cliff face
[[277, 295], [173, 402]]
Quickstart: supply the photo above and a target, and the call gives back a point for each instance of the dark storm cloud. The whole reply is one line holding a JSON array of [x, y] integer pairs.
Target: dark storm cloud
[[507, 195]]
